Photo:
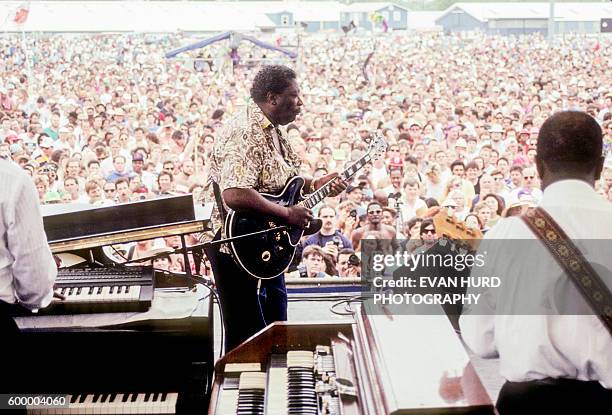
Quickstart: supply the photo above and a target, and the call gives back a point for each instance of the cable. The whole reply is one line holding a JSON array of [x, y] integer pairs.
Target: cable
[[347, 307], [308, 298], [119, 253], [214, 294], [261, 313]]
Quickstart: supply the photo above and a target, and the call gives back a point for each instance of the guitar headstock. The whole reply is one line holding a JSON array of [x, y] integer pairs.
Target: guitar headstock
[[457, 230], [377, 146]]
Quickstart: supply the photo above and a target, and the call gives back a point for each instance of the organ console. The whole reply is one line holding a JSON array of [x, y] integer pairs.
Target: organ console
[[128, 362], [376, 365], [120, 344]]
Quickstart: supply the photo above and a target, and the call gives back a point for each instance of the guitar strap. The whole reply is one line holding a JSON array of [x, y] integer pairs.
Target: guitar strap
[[219, 201], [569, 257]]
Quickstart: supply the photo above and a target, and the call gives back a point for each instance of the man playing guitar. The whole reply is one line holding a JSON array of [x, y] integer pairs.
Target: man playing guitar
[[251, 156]]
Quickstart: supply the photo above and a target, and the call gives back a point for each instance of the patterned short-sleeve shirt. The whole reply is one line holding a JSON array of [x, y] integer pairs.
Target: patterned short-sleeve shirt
[[244, 156]]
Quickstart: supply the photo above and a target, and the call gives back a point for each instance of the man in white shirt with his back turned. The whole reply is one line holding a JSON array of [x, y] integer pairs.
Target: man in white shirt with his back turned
[[554, 363]]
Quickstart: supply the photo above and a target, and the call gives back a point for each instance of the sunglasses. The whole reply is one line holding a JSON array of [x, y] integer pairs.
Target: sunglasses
[[428, 231], [528, 177], [375, 212], [109, 190]]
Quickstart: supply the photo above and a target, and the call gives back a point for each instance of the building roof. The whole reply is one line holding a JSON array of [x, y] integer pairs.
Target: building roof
[[302, 11], [563, 11], [369, 7], [169, 16]]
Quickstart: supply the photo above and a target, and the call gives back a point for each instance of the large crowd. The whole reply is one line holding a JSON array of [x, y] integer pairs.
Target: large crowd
[[103, 120]]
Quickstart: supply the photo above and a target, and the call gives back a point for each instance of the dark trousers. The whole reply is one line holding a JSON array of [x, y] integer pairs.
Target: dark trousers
[[14, 355], [8, 327], [554, 396], [244, 311]]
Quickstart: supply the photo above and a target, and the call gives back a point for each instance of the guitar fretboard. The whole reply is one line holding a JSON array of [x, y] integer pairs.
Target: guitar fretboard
[[324, 191]]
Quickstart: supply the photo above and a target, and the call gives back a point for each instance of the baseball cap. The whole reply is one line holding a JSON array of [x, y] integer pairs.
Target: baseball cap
[[350, 189], [15, 148], [12, 136], [137, 157], [396, 162], [461, 143], [53, 196], [496, 128], [47, 142]]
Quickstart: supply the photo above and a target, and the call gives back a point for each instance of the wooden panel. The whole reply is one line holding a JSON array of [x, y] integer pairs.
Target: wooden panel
[[422, 366], [128, 236], [281, 337]]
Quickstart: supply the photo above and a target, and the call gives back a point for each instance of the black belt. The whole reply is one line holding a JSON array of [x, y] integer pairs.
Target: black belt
[[558, 396]]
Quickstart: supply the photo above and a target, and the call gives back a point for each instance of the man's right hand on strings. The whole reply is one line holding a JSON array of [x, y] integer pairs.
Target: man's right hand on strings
[[298, 216]]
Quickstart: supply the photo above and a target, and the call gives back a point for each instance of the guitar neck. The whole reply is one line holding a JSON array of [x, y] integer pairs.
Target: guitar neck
[[315, 198]]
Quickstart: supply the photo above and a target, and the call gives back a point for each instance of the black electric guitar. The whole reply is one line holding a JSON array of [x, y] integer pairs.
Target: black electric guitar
[[270, 248]]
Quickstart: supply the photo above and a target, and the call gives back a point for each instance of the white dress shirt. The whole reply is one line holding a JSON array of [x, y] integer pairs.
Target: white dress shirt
[[534, 347], [27, 268]]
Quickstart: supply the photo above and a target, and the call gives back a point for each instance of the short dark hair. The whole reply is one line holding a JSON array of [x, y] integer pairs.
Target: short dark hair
[[425, 223], [313, 250], [271, 78], [67, 179], [570, 141], [431, 202], [516, 167], [471, 165], [501, 204], [327, 207], [165, 173], [414, 221], [122, 180], [457, 163]]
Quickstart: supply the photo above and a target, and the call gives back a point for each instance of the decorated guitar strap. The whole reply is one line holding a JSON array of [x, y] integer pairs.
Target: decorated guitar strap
[[219, 201], [569, 257]]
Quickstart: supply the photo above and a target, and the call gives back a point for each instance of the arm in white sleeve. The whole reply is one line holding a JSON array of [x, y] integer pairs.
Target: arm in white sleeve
[[33, 267], [477, 322]]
